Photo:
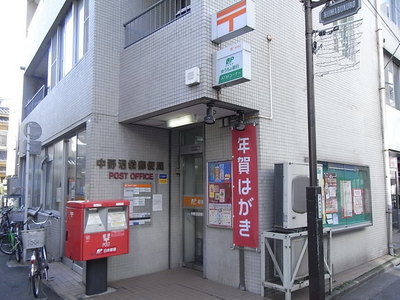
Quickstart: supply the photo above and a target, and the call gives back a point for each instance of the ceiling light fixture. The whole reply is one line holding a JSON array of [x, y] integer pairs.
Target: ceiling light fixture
[[181, 121]]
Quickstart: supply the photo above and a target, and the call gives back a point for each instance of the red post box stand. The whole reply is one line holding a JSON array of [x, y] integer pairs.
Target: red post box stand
[[96, 230]]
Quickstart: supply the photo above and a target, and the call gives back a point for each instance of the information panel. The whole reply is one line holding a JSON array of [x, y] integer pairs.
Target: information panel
[[347, 195], [140, 197], [219, 188]]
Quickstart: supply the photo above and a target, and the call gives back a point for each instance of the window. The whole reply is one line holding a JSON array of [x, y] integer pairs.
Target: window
[[35, 177], [3, 155], [392, 82], [52, 77], [76, 166], [54, 175], [3, 140], [80, 165], [69, 42], [64, 170], [156, 16], [391, 9], [82, 27], [71, 168]]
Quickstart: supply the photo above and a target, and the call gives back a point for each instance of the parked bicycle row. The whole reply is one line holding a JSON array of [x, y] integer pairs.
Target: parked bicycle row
[[14, 239]]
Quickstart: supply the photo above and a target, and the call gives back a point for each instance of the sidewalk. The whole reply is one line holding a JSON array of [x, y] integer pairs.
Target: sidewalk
[[185, 284]]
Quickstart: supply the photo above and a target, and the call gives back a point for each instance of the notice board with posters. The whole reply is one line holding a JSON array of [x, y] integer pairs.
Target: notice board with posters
[[219, 194], [347, 195], [140, 197]]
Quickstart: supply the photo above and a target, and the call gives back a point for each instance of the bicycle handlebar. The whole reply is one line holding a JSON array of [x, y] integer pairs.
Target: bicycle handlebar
[[41, 223]]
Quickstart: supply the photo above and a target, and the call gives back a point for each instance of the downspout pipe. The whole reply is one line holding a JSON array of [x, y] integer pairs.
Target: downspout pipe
[[385, 148]]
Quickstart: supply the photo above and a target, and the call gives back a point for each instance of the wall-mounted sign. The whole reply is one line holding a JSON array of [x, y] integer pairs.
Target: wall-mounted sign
[[129, 164], [140, 198], [119, 169], [162, 178], [219, 186], [233, 21], [193, 202], [232, 65], [339, 10]]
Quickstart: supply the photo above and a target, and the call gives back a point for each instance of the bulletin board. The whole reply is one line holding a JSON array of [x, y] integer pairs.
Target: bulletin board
[[347, 194], [219, 194], [140, 197]]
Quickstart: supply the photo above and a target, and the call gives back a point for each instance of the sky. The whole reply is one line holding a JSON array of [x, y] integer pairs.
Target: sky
[[12, 23], [12, 36]]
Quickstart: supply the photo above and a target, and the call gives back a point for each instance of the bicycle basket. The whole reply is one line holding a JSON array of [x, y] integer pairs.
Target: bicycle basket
[[17, 215], [34, 238]]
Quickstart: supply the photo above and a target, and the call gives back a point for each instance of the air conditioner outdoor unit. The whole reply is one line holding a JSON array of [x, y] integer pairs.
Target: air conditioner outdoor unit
[[291, 180]]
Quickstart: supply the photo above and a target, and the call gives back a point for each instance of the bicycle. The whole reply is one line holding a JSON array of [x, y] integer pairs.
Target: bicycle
[[10, 240], [34, 238]]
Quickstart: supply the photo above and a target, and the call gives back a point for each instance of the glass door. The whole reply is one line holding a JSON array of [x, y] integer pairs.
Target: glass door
[[191, 151], [192, 201]]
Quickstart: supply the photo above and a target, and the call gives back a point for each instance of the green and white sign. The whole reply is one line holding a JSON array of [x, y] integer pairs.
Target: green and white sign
[[232, 65]]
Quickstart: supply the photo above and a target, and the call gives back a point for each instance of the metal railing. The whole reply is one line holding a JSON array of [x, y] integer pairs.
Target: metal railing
[[154, 18], [40, 94]]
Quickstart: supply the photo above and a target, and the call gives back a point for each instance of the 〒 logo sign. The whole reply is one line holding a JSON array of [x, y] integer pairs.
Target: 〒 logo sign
[[229, 14], [233, 21]]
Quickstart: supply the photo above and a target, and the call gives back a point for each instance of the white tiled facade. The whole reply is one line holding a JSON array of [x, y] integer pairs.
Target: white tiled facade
[[111, 86]]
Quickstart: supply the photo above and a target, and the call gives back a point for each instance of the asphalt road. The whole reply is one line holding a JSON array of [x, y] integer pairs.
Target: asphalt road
[[385, 286], [15, 284]]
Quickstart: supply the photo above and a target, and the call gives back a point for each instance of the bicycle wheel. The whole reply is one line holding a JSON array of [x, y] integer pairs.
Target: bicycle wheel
[[6, 244], [35, 274], [44, 265]]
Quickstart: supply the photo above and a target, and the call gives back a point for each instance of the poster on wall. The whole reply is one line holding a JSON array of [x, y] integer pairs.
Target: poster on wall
[[345, 194], [219, 186], [245, 187], [358, 202], [331, 202]]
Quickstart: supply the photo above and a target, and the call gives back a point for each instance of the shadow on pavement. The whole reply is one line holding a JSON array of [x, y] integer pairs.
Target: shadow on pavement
[[15, 283]]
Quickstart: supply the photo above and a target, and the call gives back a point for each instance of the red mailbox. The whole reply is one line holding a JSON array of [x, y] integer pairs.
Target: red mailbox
[[96, 229]]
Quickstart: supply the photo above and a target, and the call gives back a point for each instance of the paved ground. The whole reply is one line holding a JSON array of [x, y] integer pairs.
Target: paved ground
[[385, 286], [15, 284], [186, 284], [176, 284]]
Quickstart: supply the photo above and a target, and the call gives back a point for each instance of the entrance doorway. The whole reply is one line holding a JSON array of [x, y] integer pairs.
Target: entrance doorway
[[192, 196]]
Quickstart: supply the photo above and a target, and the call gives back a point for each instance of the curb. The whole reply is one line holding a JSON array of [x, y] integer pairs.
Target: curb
[[354, 283]]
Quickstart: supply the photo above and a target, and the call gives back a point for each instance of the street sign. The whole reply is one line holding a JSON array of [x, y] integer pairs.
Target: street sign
[[339, 10], [35, 131]]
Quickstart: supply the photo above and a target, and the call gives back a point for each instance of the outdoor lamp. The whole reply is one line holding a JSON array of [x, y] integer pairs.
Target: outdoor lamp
[[209, 118], [240, 126]]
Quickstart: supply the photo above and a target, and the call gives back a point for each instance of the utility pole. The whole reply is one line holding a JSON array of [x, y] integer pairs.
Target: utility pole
[[313, 192]]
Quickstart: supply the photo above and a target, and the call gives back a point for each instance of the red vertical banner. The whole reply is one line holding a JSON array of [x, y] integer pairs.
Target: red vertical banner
[[245, 187]]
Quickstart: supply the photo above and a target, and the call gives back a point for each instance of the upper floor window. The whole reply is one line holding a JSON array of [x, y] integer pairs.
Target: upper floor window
[[392, 82], [391, 9], [69, 42], [156, 16]]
